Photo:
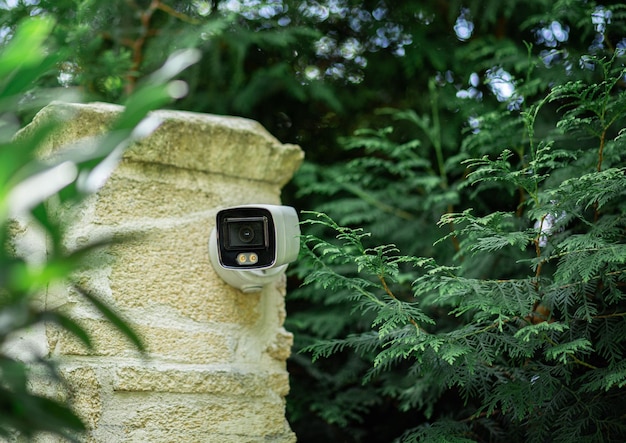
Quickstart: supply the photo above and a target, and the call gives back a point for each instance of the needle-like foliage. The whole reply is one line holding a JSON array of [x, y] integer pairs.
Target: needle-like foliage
[[519, 334]]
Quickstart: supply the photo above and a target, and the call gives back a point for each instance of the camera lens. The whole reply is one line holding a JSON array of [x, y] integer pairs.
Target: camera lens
[[246, 234]]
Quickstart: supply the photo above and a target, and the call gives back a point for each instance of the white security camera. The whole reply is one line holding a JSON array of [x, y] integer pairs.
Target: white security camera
[[252, 245]]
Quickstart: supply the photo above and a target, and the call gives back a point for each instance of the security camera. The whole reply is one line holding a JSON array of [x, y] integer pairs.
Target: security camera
[[252, 245]]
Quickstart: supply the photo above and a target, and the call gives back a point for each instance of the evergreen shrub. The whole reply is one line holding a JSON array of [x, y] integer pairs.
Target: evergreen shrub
[[498, 313]]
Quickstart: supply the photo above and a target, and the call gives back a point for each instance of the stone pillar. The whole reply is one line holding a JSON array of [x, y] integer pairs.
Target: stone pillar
[[215, 369]]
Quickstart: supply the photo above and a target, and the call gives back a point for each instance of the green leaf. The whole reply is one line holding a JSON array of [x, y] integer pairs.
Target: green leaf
[[68, 324], [26, 49], [113, 317]]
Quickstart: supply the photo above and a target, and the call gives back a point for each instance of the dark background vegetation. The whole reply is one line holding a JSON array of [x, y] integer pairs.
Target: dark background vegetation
[[387, 99]]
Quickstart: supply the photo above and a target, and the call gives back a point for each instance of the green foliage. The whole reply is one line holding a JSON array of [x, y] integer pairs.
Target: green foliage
[[28, 184], [515, 200], [496, 310]]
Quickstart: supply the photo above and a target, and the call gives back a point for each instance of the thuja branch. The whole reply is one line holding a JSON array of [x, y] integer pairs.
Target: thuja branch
[[382, 206], [179, 15], [137, 46], [383, 282], [601, 150], [572, 356], [613, 315], [489, 327], [582, 363], [538, 247], [580, 282]]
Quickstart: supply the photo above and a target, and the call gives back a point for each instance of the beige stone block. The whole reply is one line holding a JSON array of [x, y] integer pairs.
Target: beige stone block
[[85, 394], [170, 268], [231, 146], [141, 191], [203, 419], [280, 347], [165, 344], [200, 381], [144, 191]]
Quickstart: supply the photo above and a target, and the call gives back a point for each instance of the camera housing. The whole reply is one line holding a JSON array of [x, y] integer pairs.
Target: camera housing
[[251, 245]]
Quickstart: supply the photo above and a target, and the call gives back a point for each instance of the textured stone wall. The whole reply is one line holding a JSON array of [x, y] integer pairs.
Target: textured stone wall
[[215, 369]]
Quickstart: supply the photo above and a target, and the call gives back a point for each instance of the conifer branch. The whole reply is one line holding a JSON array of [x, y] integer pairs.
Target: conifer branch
[[383, 282], [147, 31], [523, 343], [178, 15], [436, 133], [596, 277], [614, 315], [572, 356], [582, 363], [384, 207], [538, 248]]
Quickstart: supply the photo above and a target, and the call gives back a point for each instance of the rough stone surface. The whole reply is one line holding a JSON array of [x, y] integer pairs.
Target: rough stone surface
[[214, 370], [85, 394], [233, 146]]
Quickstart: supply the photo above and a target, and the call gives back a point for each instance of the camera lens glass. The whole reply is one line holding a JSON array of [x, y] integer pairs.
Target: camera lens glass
[[246, 233]]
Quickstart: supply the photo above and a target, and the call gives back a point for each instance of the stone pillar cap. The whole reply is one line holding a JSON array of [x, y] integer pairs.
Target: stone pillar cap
[[232, 146]]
